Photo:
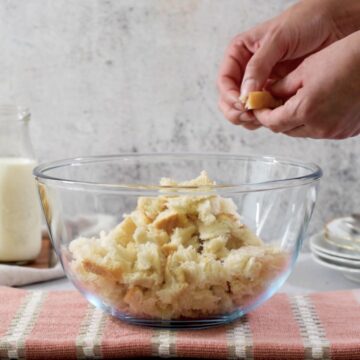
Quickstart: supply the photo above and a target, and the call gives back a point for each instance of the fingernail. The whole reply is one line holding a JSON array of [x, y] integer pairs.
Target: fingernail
[[239, 106], [247, 86]]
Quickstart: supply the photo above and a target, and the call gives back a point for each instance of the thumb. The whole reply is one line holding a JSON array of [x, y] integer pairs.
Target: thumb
[[288, 86], [260, 66]]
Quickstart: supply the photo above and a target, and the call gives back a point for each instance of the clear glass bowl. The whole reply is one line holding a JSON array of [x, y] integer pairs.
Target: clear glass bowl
[[189, 284]]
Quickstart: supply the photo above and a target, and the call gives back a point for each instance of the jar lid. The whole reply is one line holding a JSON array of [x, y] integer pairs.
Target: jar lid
[[344, 232]]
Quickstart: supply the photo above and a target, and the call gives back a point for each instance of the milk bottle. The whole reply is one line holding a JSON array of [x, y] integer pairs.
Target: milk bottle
[[20, 219]]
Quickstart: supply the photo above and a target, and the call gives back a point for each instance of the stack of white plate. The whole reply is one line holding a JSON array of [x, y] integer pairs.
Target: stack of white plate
[[343, 259]]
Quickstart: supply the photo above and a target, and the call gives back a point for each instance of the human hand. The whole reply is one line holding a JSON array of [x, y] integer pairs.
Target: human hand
[[273, 49], [323, 95]]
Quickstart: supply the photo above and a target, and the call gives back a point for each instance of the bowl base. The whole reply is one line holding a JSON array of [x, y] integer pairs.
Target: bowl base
[[188, 324]]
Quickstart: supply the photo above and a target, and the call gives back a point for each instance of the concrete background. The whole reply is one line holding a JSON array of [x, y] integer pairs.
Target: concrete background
[[113, 76]]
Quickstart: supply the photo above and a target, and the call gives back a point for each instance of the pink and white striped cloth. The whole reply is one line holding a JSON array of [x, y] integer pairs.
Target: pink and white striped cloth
[[62, 325]]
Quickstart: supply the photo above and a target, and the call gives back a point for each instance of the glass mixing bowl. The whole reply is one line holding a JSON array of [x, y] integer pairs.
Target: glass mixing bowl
[[191, 255]]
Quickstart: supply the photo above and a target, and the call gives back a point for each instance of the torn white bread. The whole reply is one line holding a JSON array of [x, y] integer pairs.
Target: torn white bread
[[178, 256]]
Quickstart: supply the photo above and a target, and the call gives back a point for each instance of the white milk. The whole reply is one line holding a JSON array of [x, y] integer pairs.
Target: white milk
[[20, 219]]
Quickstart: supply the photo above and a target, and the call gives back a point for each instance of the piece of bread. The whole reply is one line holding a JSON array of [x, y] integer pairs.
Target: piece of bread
[[260, 100], [177, 256]]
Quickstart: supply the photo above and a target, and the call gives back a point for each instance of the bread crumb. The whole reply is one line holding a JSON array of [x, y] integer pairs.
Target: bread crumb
[[178, 256], [260, 100]]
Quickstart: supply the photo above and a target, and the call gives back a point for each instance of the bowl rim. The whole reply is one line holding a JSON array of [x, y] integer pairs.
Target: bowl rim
[[315, 173]]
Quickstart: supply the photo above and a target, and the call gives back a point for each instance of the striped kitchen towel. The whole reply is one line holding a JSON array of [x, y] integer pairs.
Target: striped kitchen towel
[[62, 325]]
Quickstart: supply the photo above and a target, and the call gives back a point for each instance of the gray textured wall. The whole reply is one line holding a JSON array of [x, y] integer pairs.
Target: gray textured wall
[[139, 75]]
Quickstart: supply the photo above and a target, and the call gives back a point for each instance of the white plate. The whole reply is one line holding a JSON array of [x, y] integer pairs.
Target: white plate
[[336, 259], [318, 243], [351, 274]]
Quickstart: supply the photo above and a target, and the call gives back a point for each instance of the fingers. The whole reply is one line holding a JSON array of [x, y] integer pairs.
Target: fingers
[[289, 85], [286, 117], [233, 115], [239, 117], [300, 131], [231, 71], [284, 68], [261, 64], [303, 131], [229, 90], [251, 125], [282, 119], [229, 79], [248, 116]]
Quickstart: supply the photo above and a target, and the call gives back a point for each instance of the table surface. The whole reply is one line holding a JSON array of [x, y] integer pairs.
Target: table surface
[[307, 277]]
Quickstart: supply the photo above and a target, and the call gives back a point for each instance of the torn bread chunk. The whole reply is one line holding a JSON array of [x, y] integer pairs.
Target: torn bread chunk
[[178, 256], [260, 100]]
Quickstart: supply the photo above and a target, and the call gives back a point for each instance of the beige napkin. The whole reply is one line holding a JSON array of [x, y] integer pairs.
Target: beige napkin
[[14, 275], [45, 267]]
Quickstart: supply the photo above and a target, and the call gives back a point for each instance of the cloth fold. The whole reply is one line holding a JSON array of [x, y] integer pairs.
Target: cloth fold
[[45, 267], [62, 325], [13, 275]]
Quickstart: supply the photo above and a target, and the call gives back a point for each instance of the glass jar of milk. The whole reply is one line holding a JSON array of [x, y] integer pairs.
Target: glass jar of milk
[[20, 219]]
